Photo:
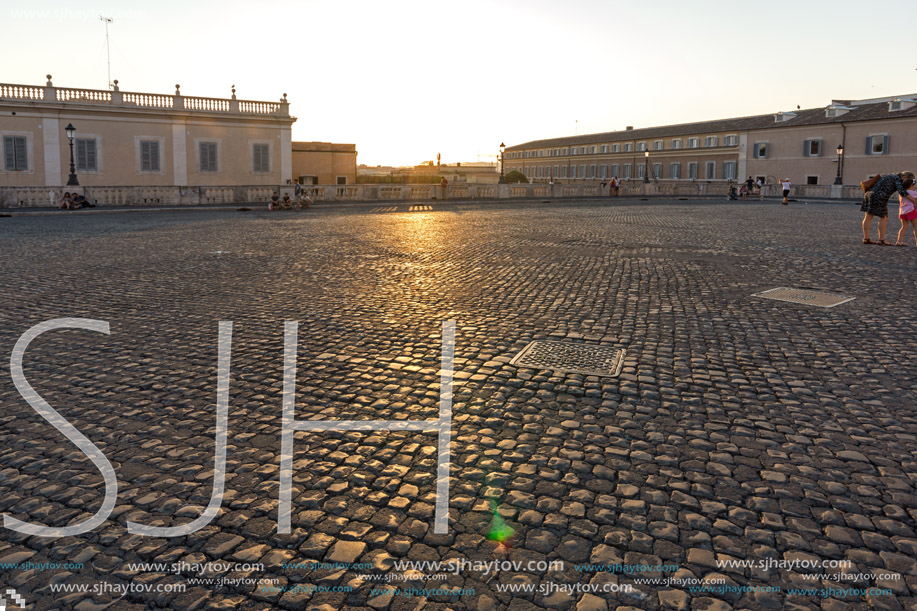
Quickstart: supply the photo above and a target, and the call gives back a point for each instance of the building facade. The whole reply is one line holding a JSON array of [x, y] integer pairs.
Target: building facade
[[876, 135], [324, 163], [140, 139]]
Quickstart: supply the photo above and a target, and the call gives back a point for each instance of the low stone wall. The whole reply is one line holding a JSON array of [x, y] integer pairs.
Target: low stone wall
[[29, 197]]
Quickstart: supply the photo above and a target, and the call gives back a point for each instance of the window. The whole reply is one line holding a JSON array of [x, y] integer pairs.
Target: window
[[811, 148], [604, 171], [692, 169], [539, 172], [877, 145], [676, 144], [710, 168], [556, 152], [831, 113], [710, 141], [626, 170], [582, 150], [693, 143], [564, 151], [730, 140], [592, 171], [760, 150], [811, 180], [541, 153], [573, 150], [657, 145], [14, 152], [675, 170], [261, 158], [641, 146], [556, 173], [582, 171], [208, 156], [615, 148], [604, 148], [149, 156], [657, 170], [86, 158], [342, 180], [729, 170], [628, 147], [563, 172], [572, 171], [614, 169], [592, 150], [641, 170]]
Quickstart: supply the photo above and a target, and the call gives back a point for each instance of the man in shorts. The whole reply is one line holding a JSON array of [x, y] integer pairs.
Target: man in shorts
[[785, 183], [875, 202]]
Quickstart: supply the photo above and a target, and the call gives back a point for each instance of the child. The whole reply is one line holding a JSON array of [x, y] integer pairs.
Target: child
[[785, 183], [907, 213]]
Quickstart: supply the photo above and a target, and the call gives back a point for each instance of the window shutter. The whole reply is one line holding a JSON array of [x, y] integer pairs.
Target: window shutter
[[806, 146], [9, 154], [144, 156], [869, 145], [20, 153], [819, 148], [154, 147], [885, 145], [91, 163]]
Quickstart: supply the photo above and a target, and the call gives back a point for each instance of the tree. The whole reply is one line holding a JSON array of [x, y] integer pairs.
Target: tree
[[516, 176]]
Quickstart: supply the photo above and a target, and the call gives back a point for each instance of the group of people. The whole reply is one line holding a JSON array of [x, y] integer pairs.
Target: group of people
[[753, 187], [74, 202], [875, 205], [287, 203]]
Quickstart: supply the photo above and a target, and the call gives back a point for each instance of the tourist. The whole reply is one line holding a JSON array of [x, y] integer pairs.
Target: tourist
[[286, 203], [907, 212], [785, 183], [444, 183], [743, 191], [275, 201], [66, 202], [875, 202], [749, 186], [304, 200]]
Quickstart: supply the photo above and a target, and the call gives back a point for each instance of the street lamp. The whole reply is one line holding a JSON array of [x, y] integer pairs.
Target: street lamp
[[72, 181], [646, 166], [840, 153], [502, 149]]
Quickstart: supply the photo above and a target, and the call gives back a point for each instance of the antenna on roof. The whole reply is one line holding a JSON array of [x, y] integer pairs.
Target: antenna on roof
[[107, 20]]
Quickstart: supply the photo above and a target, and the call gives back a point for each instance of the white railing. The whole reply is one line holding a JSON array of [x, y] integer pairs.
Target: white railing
[[84, 96], [209, 104], [55, 95], [26, 197], [21, 92]]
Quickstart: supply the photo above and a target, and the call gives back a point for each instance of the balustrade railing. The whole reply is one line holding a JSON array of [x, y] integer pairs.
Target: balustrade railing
[[51, 95], [85, 96], [25, 197]]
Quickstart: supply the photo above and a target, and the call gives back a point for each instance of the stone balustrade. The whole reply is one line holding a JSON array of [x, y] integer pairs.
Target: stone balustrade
[[26, 197], [49, 94]]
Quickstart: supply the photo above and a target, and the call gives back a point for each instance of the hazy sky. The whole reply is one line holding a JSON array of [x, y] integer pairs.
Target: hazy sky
[[404, 80]]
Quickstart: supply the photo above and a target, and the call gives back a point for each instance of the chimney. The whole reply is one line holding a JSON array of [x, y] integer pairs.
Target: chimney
[[629, 127]]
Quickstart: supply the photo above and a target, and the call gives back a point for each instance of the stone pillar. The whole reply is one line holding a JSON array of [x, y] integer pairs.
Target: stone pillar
[[116, 97], [179, 101], [51, 135], [233, 102], [50, 90], [179, 154]]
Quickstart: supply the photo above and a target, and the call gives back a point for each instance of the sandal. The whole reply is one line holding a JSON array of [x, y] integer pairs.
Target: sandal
[[867, 241], [900, 244], [883, 243]]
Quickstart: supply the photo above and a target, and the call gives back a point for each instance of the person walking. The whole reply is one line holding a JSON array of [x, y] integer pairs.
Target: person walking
[[785, 183], [875, 202], [908, 215]]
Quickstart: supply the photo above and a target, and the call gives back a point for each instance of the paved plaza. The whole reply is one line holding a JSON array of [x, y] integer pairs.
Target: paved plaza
[[752, 453]]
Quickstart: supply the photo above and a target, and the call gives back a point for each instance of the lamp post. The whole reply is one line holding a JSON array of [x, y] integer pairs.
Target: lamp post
[[646, 166], [502, 177], [72, 181], [840, 153]]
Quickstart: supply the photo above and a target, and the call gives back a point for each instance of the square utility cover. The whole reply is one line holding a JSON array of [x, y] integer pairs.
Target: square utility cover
[[805, 296], [571, 357]]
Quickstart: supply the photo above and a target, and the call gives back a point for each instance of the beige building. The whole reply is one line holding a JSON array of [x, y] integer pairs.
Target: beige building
[[141, 139], [877, 135], [324, 163]]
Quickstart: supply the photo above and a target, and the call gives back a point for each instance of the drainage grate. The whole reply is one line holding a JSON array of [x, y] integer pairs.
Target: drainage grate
[[571, 357], [805, 296]]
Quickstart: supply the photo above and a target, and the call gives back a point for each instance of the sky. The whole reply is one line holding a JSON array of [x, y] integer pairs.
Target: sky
[[405, 80]]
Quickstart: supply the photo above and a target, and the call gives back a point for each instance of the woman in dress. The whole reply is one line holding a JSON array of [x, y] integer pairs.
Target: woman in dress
[[875, 202]]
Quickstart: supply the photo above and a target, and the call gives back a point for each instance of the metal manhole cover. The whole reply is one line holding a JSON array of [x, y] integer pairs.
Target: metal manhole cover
[[571, 357], [814, 298]]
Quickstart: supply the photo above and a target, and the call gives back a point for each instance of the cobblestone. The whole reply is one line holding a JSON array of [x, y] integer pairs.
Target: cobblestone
[[740, 429]]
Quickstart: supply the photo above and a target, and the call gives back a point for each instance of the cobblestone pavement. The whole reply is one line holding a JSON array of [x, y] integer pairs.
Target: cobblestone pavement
[[745, 441]]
